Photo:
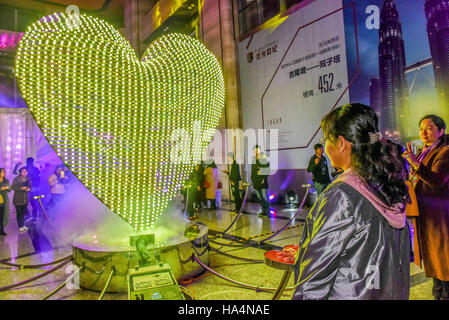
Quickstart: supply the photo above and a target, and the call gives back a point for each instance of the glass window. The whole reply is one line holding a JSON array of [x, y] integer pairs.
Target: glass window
[[7, 18], [242, 4], [291, 3], [270, 8], [249, 18]]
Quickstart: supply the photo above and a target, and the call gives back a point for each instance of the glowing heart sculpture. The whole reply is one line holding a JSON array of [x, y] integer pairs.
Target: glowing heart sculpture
[[112, 118]]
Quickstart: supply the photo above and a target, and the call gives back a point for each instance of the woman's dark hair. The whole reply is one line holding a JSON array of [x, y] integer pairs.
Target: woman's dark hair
[[317, 146], [438, 121], [2, 169], [21, 169], [380, 164]]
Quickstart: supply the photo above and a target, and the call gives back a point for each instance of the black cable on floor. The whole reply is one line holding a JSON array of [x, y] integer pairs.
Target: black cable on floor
[[63, 284], [291, 220], [107, 284], [235, 257], [18, 284], [240, 212], [241, 284], [229, 244], [34, 266]]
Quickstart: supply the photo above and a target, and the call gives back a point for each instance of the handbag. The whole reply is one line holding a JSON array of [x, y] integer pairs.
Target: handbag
[[219, 185]]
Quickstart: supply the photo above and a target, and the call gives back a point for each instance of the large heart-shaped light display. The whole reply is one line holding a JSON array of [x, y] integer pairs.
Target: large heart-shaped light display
[[111, 117]]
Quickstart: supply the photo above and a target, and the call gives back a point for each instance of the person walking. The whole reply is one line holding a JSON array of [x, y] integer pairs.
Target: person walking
[[193, 191], [4, 201], [234, 180], [260, 169], [318, 166], [202, 202], [21, 186], [34, 175], [356, 241], [429, 174], [211, 183]]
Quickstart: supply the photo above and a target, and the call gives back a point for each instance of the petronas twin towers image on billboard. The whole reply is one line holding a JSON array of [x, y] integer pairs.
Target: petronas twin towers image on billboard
[[389, 94]]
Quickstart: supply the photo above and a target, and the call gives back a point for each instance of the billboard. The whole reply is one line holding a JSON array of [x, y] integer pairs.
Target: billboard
[[389, 54], [294, 73]]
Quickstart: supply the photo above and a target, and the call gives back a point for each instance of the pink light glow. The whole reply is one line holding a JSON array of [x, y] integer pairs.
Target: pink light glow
[[9, 40]]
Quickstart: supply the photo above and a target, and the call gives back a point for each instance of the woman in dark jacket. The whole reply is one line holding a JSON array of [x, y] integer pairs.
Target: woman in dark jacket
[[4, 201], [355, 243], [21, 186], [430, 177]]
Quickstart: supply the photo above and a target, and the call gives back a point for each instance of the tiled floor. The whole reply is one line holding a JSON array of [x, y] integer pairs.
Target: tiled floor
[[43, 245]]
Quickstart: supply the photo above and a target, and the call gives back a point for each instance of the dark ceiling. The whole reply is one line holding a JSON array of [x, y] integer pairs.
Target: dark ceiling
[[17, 15]]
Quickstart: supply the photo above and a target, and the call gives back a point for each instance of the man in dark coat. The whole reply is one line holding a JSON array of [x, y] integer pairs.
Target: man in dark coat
[[234, 180], [193, 191], [35, 177], [260, 169], [318, 167], [21, 186], [202, 203], [430, 177]]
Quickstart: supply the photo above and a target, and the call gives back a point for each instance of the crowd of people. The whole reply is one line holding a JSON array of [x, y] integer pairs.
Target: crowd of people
[[356, 241], [201, 188], [202, 184], [28, 185]]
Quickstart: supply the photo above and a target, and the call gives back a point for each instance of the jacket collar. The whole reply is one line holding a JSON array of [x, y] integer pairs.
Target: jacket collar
[[429, 157], [395, 215]]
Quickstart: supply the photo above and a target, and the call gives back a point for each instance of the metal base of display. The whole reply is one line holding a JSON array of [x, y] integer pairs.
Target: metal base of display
[[99, 259]]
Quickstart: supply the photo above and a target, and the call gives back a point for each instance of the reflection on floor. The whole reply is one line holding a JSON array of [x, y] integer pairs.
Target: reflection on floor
[[41, 244]]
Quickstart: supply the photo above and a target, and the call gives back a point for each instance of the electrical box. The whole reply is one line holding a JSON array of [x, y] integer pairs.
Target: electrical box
[[155, 282]]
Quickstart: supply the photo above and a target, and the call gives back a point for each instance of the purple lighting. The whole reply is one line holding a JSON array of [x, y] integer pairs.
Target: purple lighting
[[9, 40]]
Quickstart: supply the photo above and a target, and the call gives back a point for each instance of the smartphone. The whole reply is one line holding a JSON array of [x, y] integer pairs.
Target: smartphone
[[62, 174]]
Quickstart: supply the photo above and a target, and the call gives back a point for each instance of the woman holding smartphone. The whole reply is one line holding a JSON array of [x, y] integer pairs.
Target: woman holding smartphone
[[429, 175]]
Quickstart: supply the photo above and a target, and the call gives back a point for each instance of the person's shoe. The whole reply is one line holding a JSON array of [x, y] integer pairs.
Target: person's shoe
[[3, 233], [234, 212], [21, 229], [263, 215], [26, 228], [193, 217]]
